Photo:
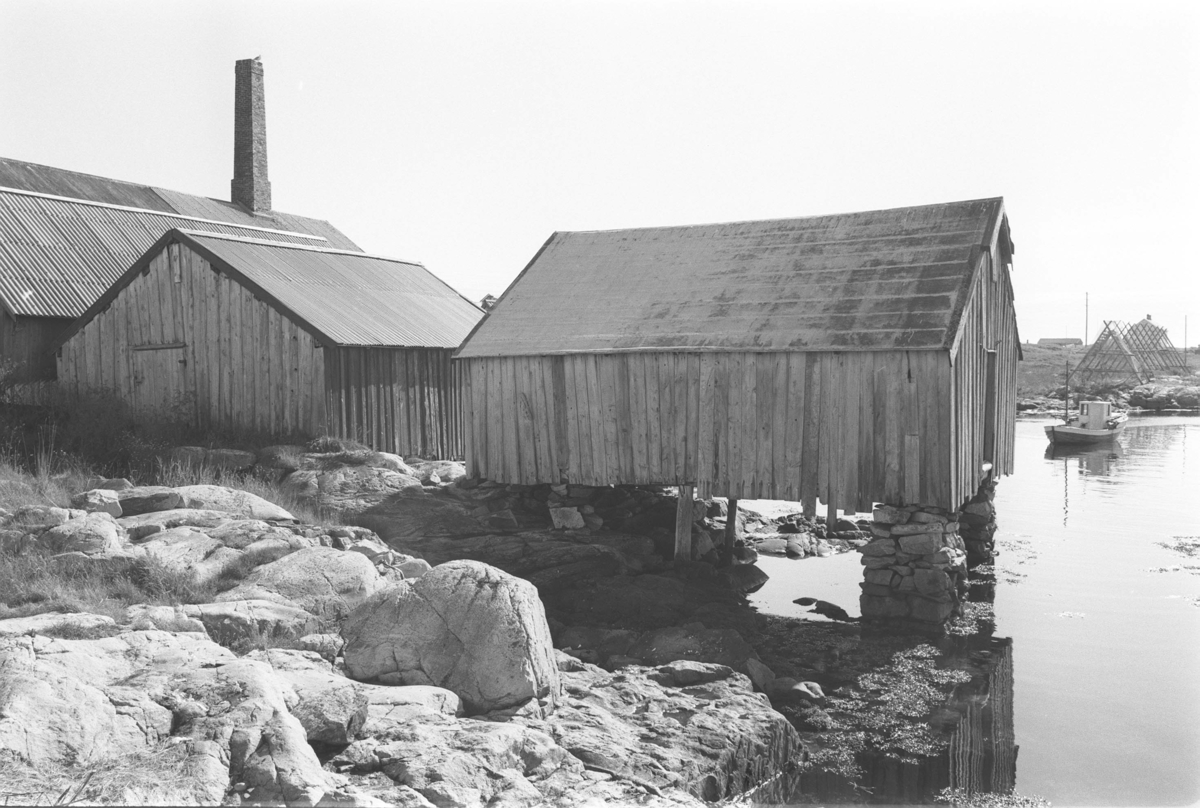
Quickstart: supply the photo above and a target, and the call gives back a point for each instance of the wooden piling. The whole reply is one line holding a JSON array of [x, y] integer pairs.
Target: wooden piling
[[683, 523], [730, 531]]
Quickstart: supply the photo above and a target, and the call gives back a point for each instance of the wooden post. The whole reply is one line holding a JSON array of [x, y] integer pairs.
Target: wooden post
[[683, 524], [730, 531]]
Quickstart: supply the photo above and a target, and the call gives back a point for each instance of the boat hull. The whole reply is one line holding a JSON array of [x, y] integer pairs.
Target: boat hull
[[1061, 433]]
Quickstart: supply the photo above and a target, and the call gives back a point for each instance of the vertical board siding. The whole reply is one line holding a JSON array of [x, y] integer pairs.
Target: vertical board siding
[[401, 400], [858, 427], [224, 372]]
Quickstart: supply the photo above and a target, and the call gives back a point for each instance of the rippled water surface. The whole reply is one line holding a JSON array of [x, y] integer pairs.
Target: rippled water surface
[[1098, 587]]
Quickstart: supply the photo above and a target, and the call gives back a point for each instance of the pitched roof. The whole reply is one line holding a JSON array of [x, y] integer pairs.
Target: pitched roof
[[341, 297], [876, 280], [65, 236]]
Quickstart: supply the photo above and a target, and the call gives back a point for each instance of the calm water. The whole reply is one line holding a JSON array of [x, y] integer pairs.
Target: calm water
[[1102, 606]]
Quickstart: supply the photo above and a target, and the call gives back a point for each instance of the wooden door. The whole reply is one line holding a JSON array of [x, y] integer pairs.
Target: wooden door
[[159, 380]]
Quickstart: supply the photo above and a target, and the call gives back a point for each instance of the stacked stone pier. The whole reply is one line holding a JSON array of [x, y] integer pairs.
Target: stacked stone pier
[[915, 568]]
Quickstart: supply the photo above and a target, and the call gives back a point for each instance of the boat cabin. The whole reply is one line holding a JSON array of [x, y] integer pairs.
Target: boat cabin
[[1094, 414]]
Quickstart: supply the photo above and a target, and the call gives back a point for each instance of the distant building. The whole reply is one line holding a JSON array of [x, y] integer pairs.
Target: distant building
[[1059, 342]]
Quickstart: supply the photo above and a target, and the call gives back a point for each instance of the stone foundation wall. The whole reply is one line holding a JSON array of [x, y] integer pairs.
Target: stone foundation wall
[[915, 567]]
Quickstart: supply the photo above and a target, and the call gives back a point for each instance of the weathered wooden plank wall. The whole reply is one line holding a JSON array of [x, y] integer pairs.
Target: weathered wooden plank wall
[[402, 400], [984, 416], [182, 333], [851, 427]]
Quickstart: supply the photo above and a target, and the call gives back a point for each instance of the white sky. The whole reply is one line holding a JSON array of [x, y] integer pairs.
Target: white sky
[[462, 135]]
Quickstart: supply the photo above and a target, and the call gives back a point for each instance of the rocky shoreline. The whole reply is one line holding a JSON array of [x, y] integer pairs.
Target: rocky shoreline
[[457, 643], [1162, 395]]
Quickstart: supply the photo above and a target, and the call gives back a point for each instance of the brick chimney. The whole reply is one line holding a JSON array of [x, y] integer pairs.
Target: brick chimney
[[249, 186]]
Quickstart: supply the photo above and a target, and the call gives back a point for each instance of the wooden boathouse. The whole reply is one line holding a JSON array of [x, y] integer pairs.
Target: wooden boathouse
[[856, 358], [282, 338]]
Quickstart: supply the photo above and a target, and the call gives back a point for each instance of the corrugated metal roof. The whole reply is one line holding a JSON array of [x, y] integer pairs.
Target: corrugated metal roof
[[207, 208], [60, 182], [41, 179], [876, 280], [57, 256], [351, 298]]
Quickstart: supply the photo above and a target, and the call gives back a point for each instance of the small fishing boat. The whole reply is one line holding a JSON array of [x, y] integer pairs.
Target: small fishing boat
[[1095, 423]]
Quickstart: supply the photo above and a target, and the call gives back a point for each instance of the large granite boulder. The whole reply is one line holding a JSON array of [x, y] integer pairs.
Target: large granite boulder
[[326, 582], [464, 626]]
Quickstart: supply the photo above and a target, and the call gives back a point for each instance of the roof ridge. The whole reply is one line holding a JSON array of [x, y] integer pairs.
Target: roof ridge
[[195, 234], [310, 248], [779, 218], [170, 214]]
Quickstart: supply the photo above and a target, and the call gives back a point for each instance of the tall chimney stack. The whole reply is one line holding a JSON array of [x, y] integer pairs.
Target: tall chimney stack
[[249, 186]]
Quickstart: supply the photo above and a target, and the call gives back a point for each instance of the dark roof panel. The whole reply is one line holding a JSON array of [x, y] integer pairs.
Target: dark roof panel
[[877, 280], [350, 298]]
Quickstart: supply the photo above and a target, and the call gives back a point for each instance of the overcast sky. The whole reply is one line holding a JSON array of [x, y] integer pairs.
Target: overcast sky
[[462, 135]]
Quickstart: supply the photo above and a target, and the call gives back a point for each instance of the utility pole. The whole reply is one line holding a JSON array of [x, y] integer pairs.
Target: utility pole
[[1085, 318]]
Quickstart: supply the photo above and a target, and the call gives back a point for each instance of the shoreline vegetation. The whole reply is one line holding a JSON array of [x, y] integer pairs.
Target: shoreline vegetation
[[249, 559], [1040, 385]]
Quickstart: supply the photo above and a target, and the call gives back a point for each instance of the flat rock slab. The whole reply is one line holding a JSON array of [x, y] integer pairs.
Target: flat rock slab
[[54, 622], [235, 620], [148, 499], [392, 709], [323, 581], [144, 525], [399, 520], [230, 500], [354, 489]]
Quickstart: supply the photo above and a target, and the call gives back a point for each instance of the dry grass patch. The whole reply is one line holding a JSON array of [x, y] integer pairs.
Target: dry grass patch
[[155, 776], [262, 483], [33, 583]]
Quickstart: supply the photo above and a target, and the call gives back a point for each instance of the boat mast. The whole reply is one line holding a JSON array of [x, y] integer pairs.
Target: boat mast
[[1067, 393]]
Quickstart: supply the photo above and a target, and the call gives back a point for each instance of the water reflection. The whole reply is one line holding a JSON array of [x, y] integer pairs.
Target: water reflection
[[1108, 600], [968, 737]]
